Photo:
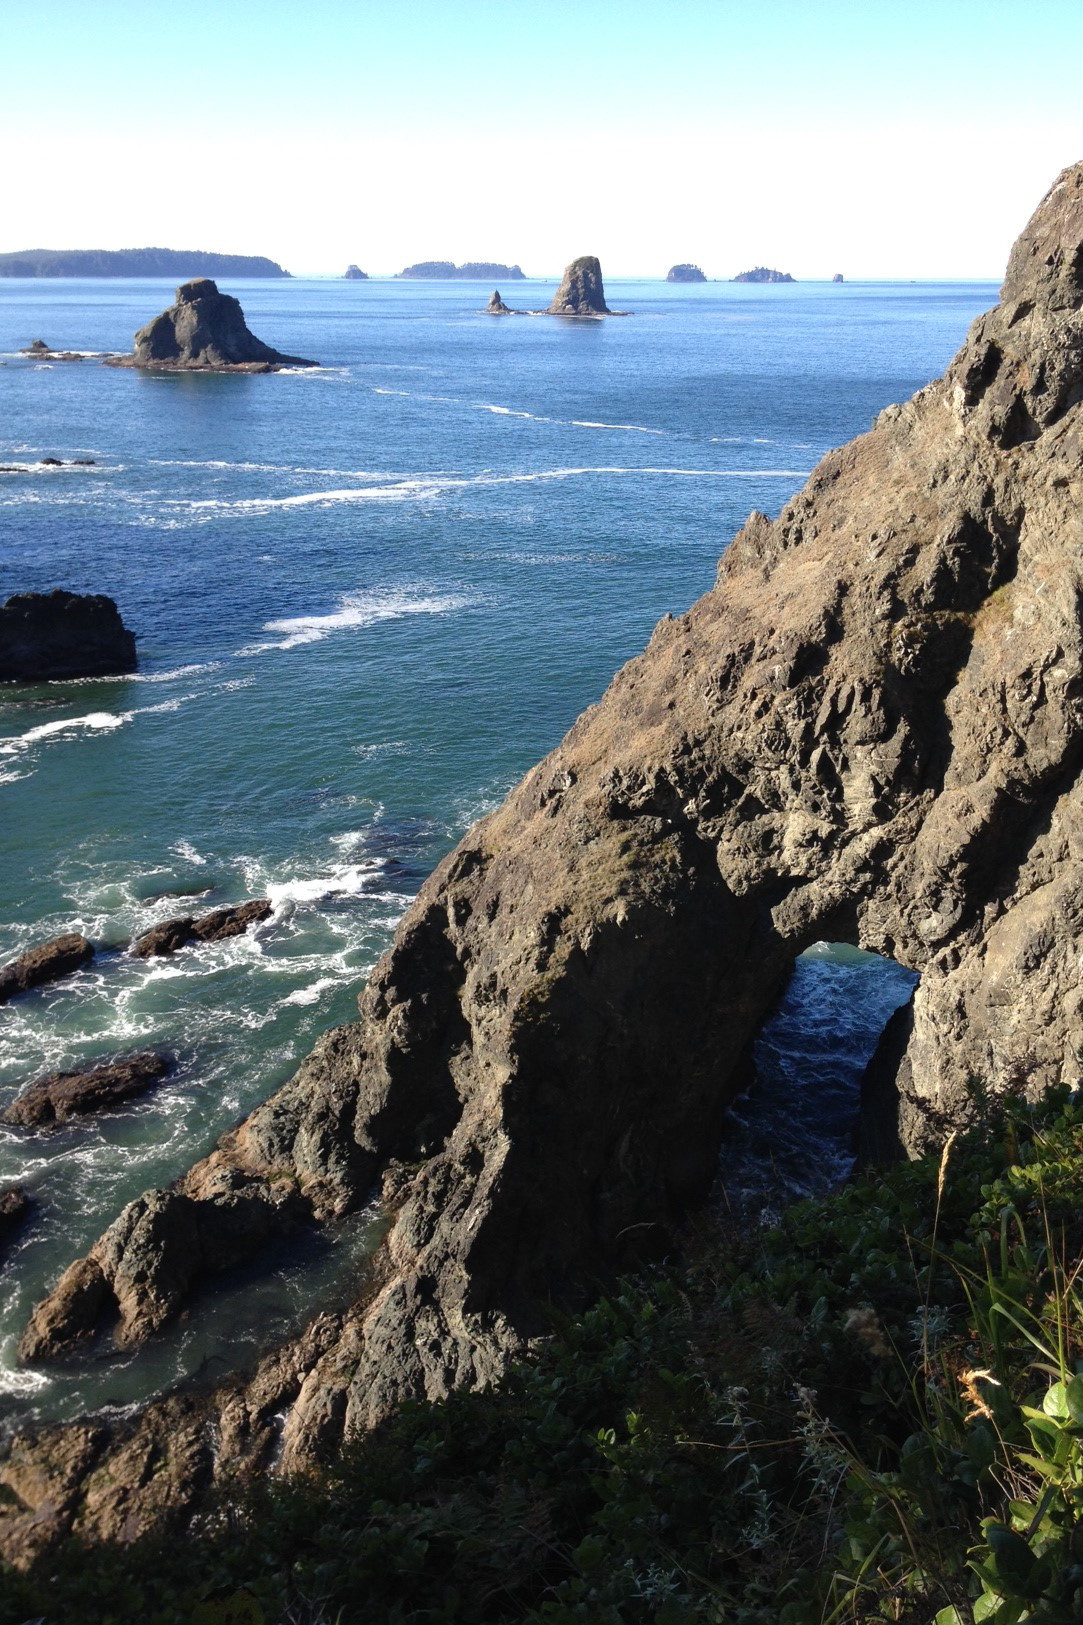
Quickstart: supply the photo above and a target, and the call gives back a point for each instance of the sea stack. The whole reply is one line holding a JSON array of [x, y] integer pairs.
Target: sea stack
[[205, 331], [354, 273], [581, 292], [685, 273], [838, 277], [496, 305], [50, 636]]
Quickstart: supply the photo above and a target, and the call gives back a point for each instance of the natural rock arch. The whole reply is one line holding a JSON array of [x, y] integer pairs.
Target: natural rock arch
[[871, 729]]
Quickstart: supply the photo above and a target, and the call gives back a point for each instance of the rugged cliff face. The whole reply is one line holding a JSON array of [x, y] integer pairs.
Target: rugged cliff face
[[871, 729]]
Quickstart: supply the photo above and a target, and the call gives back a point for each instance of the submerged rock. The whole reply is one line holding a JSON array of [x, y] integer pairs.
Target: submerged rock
[[869, 730], [59, 1096], [46, 963], [581, 292], [205, 331], [49, 636], [170, 935]]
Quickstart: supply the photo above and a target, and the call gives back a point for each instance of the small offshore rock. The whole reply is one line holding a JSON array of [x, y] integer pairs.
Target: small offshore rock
[[838, 277], [46, 963], [170, 935], [496, 305], [49, 636], [15, 1206], [581, 291], [59, 1096], [204, 331], [354, 273]]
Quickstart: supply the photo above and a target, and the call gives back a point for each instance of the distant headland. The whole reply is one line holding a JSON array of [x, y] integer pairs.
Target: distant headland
[[171, 262], [685, 273], [472, 271], [763, 273]]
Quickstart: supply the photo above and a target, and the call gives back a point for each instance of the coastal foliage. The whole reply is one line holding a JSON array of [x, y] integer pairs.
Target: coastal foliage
[[872, 1412]]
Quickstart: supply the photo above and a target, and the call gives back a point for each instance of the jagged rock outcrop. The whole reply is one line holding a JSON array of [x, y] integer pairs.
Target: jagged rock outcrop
[[870, 729], [496, 305], [49, 636], [60, 1096], [170, 935], [581, 292], [204, 331], [46, 963]]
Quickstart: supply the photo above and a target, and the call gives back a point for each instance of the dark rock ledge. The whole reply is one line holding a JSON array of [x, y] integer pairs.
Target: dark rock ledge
[[869, 730], [52, 636]]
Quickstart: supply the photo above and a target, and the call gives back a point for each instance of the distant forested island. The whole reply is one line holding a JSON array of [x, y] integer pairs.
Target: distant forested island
[[763, 273], [685, 273], [472, 271], [180, 263]]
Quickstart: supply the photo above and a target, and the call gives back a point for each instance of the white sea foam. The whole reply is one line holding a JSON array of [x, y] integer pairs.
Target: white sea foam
[[348, 882], [354, 610], [184, 849], [629, 428], [94, 721], [311, 994]]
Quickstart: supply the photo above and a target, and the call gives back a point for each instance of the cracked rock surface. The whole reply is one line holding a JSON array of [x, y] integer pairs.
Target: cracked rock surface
[[870, 730]]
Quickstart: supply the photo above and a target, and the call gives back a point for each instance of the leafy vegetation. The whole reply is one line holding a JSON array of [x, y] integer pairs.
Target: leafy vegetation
[[872, 1412]]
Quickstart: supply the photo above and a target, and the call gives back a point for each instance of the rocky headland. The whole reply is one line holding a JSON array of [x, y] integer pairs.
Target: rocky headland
[[763, 273], [48, 636], [685, 273], [166, 262], [869, 730], [204, 331]]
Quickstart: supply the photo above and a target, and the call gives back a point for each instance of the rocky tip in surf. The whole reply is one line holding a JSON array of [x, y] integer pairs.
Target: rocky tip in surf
[[204, 331]]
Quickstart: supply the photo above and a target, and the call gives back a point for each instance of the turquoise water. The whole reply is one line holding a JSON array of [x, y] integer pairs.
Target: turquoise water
[[368, 598]]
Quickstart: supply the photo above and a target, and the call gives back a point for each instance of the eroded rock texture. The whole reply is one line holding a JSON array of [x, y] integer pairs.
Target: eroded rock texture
[[205, 331], [581, 291], [871, 729]]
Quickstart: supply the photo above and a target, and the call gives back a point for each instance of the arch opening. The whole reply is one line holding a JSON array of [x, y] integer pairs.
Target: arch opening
[[790, 1134]]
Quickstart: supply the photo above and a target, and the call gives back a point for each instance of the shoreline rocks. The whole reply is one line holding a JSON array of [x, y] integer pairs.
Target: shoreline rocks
[[204, 331], [59, 1096], [50, 636], [171, 935], [47, 963]]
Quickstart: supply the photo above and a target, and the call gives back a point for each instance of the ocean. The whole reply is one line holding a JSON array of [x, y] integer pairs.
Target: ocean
[[368, 598]]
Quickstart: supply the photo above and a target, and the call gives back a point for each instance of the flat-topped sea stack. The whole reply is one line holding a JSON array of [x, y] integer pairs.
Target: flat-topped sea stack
[[763, 273], [50, 636], [685, 273], [204, 331], [869, 730], [581, 291]]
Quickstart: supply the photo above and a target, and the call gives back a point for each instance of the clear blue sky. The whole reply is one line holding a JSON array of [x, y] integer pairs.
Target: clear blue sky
[[880, 139]]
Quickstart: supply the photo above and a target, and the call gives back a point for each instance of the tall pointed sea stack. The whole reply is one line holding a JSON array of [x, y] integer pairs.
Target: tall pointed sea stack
[[869, 730], [205, 331], [581, 292]]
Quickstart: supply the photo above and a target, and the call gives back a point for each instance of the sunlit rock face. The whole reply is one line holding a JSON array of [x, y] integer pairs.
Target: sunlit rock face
[[869, 730]]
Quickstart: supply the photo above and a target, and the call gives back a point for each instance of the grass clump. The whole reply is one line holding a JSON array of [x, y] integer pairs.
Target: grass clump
[[872, 1412]]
